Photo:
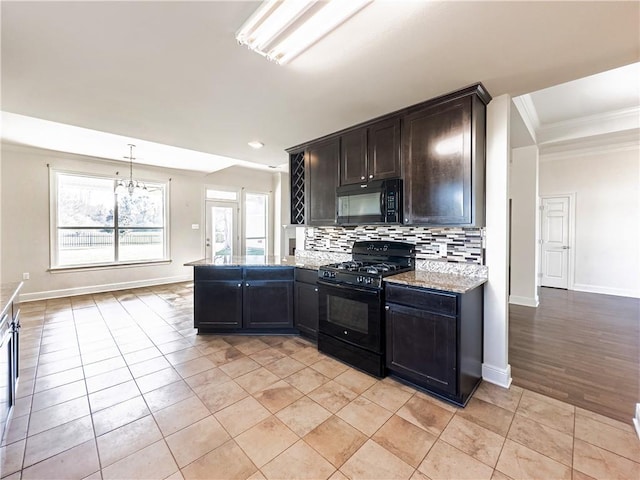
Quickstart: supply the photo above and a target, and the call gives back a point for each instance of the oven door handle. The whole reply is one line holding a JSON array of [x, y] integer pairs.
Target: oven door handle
[[351, 288]]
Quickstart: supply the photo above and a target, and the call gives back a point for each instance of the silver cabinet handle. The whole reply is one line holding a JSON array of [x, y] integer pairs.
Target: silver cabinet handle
[[316, 289], [362, 177], [247, 284], [386, 307], [239, 285], [370, 176]]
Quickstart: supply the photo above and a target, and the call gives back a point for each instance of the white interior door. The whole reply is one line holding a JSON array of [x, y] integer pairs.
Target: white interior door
[[555, 242], [221, 237]]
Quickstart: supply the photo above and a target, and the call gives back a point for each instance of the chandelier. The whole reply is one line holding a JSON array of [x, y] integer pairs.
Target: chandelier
[[131, 185]]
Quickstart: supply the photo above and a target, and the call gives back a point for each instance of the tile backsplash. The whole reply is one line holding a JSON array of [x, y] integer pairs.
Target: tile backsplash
[[459, 245]]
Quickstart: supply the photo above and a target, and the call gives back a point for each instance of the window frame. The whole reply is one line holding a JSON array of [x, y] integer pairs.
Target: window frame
[[54, 227], [267, 218]]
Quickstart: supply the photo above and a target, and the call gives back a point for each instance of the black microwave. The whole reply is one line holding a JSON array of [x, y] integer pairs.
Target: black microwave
[[375, 202]]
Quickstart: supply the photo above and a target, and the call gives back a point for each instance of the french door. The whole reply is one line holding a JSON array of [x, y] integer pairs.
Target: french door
[[221, 237]]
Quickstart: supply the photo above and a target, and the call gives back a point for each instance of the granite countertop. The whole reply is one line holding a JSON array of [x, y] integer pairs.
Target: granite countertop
[[257, 261], [448, 277], [449, 282], [8, 294]]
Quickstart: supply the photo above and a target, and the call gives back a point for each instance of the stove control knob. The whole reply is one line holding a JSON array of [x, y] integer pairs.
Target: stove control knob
[[368, 279], [333, 274]]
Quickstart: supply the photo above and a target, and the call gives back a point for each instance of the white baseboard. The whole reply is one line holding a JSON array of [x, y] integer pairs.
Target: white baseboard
[[497, 376], [108, 287], [525, 301], [620, 292], [636, 419]]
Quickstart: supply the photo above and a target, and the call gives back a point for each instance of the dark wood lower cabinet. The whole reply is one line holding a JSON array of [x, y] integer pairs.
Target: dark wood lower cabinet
[[243, 299], [306, 303], [434, 339], [268, 298]]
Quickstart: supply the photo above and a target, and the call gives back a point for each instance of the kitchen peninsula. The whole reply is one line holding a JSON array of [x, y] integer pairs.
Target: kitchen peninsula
[[438, 304]]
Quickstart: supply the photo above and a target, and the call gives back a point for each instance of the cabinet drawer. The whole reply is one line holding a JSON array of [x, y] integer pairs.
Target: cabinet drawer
[[306, 276], [269, 273], [217, 273], [443, 303]]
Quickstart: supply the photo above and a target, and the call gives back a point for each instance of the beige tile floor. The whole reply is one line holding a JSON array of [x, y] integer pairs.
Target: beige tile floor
[[118, 386]]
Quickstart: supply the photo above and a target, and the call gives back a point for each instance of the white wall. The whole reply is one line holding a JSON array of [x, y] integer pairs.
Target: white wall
[[25, 221], [495, 366], [607, 215], [523, 190]]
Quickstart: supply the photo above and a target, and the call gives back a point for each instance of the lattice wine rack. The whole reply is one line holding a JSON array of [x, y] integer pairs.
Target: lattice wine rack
[[297, 187]]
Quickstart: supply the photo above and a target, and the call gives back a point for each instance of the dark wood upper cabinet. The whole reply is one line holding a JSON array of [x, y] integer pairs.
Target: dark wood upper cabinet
[[437, 147], [444, 164], [371, 153], [384, 150], [353, 157], [321, 180]]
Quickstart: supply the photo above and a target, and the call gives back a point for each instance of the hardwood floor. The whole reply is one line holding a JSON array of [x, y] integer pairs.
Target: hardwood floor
[[581, 348]]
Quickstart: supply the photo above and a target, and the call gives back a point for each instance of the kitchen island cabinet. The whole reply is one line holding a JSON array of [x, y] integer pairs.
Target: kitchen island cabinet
[[434, 339], [243, 299]]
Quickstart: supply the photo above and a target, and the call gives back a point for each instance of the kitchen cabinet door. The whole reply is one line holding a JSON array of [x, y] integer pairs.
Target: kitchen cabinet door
[[268, 304], [353, 157], [217, 297], [322, 170], [306, 309], [218, 304], [421, 347], [384, 150], [444, 164]]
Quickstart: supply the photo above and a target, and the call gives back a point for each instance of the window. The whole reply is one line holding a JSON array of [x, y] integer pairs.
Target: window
[[97, 224], [256, 223]]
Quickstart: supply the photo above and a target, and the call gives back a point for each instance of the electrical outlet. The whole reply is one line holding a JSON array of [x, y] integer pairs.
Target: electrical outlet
[[25, 276]]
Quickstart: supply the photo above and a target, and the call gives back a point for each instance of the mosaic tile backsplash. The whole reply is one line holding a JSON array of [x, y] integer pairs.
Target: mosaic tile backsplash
[[459, 245]]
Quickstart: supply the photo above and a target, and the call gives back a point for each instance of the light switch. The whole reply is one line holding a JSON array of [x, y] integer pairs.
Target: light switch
[[195, 226]]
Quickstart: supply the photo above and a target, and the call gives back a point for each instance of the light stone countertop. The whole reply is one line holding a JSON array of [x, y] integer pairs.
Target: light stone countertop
[[8, 293], [448, 282], [443, 276], [257, 261]]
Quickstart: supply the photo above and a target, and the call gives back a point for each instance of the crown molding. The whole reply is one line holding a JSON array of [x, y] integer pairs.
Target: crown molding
[[594, 145], [529, 114], [588, 126]]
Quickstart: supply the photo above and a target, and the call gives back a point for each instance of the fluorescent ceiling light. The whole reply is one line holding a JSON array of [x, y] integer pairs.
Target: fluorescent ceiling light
[[282, 29], [256, 144]]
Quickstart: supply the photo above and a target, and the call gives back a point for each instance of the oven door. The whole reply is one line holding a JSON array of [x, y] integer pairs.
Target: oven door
[[351, 314]]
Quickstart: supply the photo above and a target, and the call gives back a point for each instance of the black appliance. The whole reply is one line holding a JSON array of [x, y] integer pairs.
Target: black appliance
[[375, 202], [351, 302]]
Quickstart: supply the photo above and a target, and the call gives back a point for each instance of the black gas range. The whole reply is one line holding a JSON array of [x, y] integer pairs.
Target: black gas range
[[351, 302]]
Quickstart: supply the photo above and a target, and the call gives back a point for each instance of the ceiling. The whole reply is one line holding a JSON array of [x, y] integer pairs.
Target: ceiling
[[602, 105], [172, 74]]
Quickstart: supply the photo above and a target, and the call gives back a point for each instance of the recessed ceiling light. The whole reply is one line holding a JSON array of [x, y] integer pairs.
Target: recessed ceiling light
[[256, 144]]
